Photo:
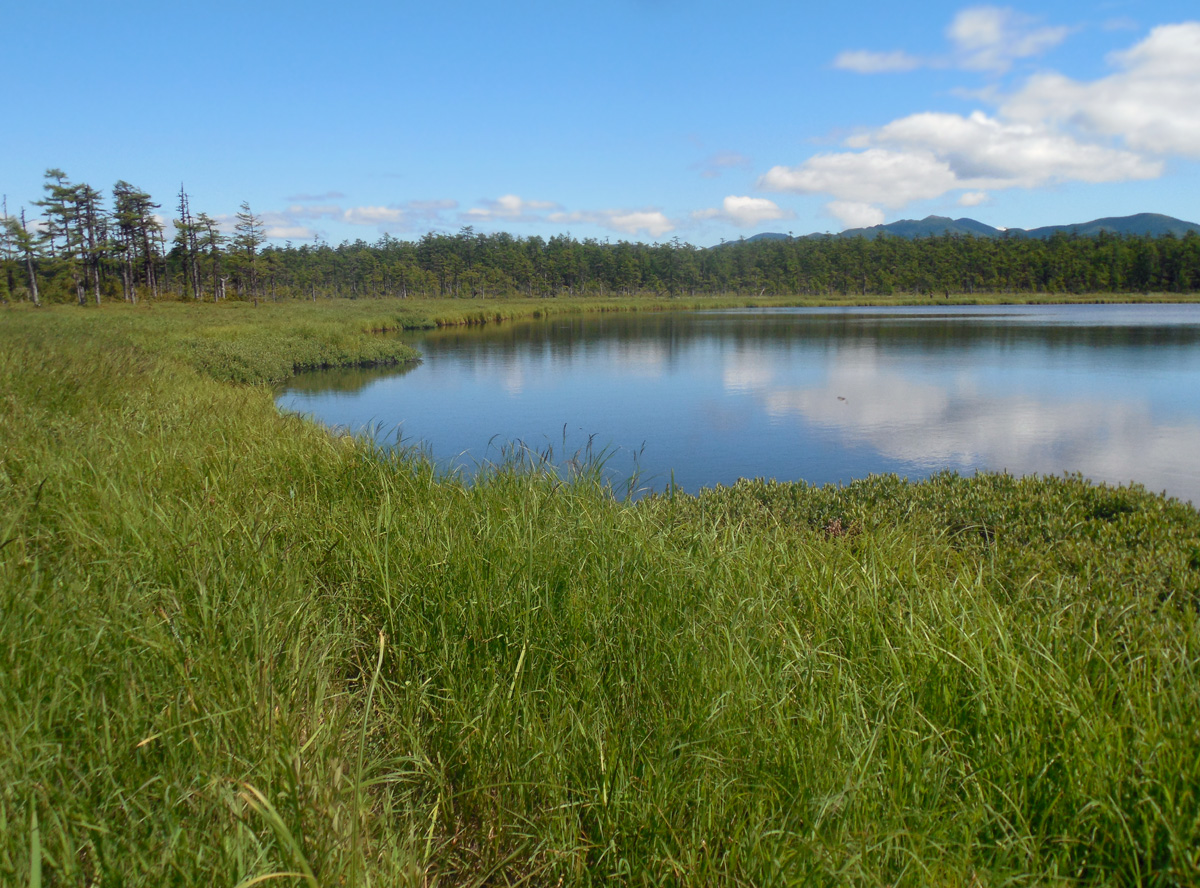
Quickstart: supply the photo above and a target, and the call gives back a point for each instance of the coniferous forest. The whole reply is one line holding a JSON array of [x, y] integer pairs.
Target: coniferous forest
[[90, 248]]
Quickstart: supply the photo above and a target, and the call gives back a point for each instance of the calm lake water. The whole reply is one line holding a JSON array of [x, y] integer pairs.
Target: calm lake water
[[822, 395]]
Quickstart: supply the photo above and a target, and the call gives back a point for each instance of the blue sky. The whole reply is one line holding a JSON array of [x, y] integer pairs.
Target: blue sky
[[629, 119]]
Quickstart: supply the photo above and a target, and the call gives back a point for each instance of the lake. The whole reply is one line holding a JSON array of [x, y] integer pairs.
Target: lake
[[817, 394]]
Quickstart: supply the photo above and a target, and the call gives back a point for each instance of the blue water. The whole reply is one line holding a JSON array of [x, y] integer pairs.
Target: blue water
[[822, 395]]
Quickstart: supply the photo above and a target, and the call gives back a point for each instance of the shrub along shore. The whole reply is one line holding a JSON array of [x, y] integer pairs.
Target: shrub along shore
[[238, 649]]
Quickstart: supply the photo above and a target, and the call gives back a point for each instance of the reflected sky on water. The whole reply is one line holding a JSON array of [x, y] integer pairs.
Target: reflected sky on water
[[822, 395]]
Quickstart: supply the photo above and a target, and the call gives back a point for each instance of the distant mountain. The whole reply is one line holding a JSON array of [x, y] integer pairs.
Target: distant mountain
[[927, 227], [1140, 225], [766, 235]]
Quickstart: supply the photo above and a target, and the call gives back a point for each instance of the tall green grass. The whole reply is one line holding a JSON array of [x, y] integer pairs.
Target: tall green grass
[[234, 647]]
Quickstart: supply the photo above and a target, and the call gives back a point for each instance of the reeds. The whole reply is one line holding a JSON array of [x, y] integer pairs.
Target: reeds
[[237, 649]]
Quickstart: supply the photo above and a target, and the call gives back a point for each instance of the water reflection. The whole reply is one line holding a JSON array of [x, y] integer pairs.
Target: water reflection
[[960, 425], [346, 380], [825, 396]]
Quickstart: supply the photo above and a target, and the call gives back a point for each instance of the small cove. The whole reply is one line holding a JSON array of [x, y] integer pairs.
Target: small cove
[[820, 395]]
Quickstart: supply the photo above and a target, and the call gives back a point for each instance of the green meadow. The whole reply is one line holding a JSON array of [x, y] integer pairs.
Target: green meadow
[[238, 649]]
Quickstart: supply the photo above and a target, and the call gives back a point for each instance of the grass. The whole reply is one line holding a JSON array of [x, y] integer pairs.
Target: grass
[[237, 650]]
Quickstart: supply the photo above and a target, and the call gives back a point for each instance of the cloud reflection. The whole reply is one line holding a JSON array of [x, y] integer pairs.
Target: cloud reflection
[[747, 372], [958, 426], [512, 380], [642, 358]]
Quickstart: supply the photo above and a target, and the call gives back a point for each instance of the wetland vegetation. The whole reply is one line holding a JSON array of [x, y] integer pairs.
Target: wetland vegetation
[[237, 648]]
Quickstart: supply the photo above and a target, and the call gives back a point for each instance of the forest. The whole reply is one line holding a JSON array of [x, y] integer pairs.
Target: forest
[[85, 249]]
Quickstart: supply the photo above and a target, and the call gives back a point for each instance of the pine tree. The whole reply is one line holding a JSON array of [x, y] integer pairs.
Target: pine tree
[[27, 244], [211, 241], [92, 223], [62, 232], [138, 232], [186, 241], [246, 241], [8, 249]]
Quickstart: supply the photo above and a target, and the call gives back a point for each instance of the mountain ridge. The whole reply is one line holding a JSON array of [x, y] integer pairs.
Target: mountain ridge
[[1138, 224]]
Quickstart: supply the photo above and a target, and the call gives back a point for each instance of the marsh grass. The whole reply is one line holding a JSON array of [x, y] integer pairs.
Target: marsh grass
[[236, 649]]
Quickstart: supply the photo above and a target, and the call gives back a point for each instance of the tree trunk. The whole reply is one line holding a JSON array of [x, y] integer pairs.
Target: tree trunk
[[33, 290]]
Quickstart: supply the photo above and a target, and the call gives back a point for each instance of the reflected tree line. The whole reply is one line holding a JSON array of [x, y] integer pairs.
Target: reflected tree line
[[77, 246], [928, 333]]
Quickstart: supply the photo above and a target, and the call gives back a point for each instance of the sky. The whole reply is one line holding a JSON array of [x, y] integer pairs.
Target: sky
[[640, 120]]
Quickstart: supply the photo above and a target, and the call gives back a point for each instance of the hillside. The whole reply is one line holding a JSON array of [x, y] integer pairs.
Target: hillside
[[1138, 225]]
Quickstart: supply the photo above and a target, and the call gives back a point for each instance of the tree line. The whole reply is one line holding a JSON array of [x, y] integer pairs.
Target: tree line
[[84, 250], [81, 249]]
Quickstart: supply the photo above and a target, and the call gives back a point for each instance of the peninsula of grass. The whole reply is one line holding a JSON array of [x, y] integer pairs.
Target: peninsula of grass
[[237, 649]]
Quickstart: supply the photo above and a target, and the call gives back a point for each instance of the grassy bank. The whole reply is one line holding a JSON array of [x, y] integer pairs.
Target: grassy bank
[[234, 647], [240, 342]]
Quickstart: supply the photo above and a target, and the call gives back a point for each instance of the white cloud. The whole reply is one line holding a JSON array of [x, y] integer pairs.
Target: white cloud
[[318, 211], [991, 38], [275, 225], [982, 38], [416, 214], [425, 208], [982, 149], [854, 214], [745, 212], [408, 215], [312, 198], [653, 222], [1051, 130], [712, 166], [289, 223], [972, 198], [864, 61], [225, 222], [290, 232], [512, 208], [1150, 104], [373, 215], [924, 156], [427, 212], [1120, 23], [877, 175]]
